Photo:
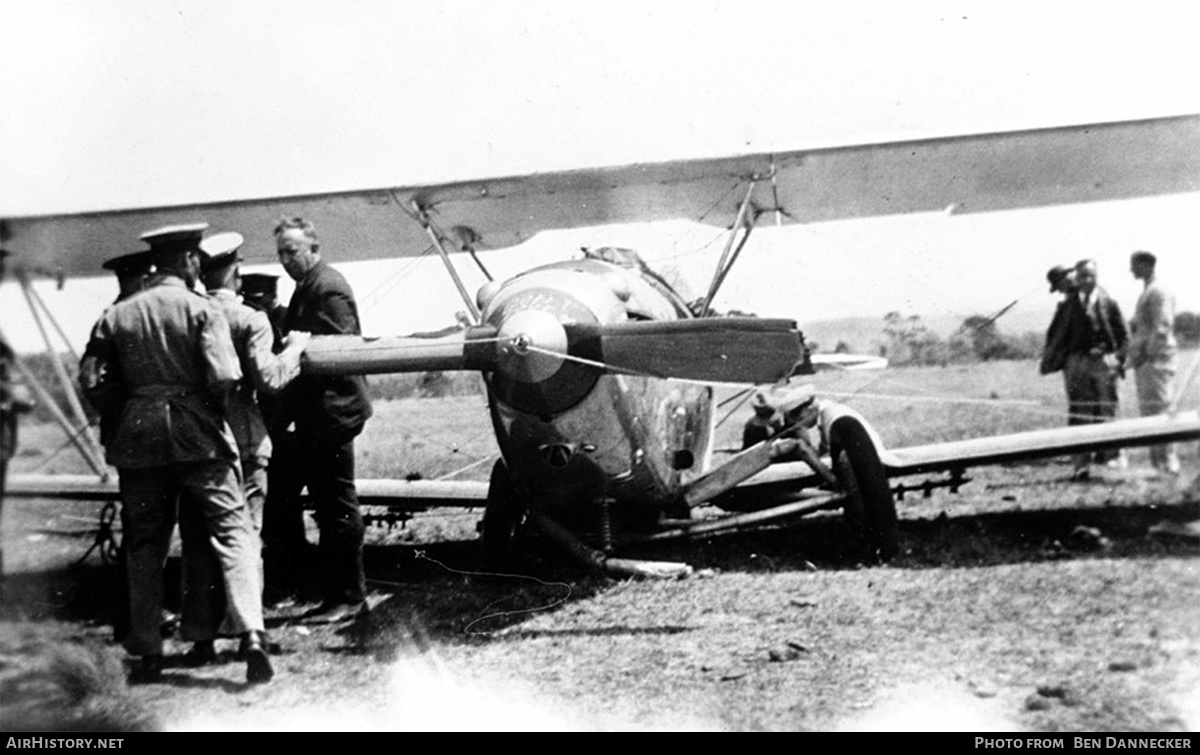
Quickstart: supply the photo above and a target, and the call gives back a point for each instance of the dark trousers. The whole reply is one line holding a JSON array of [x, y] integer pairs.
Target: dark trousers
[[326, 467], [1091, 395]]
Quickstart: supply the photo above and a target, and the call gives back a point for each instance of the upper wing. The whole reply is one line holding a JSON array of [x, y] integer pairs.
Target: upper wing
[[972, 173]]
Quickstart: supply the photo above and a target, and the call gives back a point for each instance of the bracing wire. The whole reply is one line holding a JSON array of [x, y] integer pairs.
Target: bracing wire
[[379, 293], [71, 438], [468, 629]]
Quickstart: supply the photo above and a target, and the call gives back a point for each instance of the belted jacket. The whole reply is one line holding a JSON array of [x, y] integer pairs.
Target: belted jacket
[[262, 370], [162, 362]]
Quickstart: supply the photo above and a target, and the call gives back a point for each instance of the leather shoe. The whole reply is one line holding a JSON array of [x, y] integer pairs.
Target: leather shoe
[[202, 654], [272, 648], [258, 663], [335, 613], [147, 670]]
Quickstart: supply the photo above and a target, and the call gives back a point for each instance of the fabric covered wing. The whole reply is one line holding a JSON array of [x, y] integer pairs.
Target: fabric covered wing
[[1144, 431], [781, 482], [971, 173]]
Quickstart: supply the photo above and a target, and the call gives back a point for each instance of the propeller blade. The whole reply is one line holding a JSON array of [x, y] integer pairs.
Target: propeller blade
[[362, 355], [716, 349]]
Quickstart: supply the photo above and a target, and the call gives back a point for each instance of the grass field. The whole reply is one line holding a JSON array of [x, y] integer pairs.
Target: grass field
[[907, 406], [438, 437], [998, 615]]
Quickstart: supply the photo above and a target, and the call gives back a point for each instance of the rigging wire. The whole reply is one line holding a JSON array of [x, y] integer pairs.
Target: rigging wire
[[378, 294], [472, 465], [468, 629], [71, 438]]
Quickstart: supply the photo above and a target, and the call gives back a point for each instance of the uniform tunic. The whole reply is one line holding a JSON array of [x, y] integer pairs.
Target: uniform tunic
[[166, 356], [262, 369]]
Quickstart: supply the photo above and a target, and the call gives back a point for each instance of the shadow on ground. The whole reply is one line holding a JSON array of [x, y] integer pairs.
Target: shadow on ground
[[436, 591]]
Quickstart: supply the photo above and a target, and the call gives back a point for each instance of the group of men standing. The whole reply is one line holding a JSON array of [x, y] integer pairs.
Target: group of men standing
[[1089, 341], [176, 376]]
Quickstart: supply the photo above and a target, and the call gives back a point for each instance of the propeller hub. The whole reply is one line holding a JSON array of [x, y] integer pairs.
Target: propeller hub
[[531, 345]]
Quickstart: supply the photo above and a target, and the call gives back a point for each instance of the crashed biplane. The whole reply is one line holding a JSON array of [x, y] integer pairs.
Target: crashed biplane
[[599, 373]]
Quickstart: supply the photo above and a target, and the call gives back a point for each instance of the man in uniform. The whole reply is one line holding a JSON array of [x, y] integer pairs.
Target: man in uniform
[[260, 291], [328, 413], [262, 370], [283, 548], [1152, 351], [1096, 342], [132, 270], [168, 352]]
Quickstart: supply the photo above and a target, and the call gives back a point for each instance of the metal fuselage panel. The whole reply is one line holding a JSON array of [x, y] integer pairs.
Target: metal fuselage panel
[[624, 437]]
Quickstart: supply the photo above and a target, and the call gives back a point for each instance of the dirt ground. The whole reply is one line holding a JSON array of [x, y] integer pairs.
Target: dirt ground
[[1025, 603]]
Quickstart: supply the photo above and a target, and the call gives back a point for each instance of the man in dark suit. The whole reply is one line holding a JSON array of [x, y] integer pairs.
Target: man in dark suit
[[325, 414], [1096, 342], [1054, 351]]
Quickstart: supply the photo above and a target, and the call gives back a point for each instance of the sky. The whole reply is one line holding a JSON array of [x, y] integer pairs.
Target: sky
[[129, 103]]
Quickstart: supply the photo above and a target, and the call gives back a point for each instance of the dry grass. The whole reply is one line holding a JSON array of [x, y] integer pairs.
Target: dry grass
[[994, 617]]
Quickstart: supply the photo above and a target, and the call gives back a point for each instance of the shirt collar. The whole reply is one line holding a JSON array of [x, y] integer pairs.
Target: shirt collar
[[166, 279]]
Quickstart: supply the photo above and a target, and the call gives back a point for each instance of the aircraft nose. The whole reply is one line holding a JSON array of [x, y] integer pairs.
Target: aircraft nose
[[531, 345]]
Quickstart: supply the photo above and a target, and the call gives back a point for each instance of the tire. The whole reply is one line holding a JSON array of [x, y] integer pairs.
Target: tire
[[870, 509], [502, 517]]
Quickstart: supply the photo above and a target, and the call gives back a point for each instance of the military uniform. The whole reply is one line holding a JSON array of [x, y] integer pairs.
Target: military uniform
[[168, 352], [132, 271], [262, 370]]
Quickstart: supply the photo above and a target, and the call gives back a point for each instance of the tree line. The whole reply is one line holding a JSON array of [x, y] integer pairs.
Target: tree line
[[908, 341]]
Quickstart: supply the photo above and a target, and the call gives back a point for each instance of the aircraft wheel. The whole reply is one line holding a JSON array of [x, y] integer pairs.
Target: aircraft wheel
[[502, 516], [870, 509]]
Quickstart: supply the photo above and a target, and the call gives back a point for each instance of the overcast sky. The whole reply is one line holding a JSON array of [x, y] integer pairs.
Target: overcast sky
[[125, 103]]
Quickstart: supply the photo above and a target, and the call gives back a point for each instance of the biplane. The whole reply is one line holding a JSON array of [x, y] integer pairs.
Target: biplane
[[600, 375]]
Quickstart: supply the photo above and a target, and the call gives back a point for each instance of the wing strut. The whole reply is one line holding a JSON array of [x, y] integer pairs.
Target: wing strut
[[76, 425], [423, 218], [775, 195], [726, 261], [86, 450], [467, 238]]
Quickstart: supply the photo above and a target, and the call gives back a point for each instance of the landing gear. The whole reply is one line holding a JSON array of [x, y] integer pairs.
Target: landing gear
[[106, 542], [502, 516], [869, 509]]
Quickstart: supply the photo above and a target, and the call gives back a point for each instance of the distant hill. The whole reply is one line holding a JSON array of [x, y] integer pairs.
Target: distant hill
[[864, 334]]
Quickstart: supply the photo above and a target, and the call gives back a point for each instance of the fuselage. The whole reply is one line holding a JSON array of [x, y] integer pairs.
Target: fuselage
[[569, 432]]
